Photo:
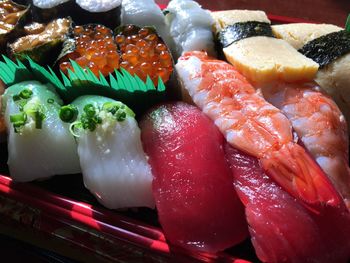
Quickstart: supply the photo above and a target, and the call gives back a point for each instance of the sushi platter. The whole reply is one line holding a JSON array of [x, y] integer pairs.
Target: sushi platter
[[132, 132]]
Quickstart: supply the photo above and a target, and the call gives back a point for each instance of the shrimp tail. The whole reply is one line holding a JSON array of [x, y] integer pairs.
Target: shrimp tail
[[295, 171]]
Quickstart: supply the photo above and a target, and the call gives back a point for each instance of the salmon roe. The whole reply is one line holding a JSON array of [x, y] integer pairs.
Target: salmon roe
[[94, 49], [138, 50], [144, 54]]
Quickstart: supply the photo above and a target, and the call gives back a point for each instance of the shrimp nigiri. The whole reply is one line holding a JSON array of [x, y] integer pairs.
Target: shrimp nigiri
[[320, 126], [253, 125]]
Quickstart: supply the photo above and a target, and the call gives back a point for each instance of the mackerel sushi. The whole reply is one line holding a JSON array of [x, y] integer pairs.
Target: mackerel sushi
[[114, 165]]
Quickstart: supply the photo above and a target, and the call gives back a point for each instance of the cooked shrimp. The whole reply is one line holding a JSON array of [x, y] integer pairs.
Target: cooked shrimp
[[320, 125], [254, 126]]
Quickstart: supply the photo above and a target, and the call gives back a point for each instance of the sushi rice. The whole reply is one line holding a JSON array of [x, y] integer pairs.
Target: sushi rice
[[95, 6], [44, 4]]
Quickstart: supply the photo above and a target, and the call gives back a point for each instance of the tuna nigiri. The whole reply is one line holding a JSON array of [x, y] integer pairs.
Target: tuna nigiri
[[39, 143], [254, 126], [281, 229], [193, 188], [113, 163]]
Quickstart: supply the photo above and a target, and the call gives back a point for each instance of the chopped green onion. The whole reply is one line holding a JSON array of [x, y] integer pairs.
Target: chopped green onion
[[39, 117], [26, 94], [21, 104], [18, 121], [90, 110], [110, 107], [97, 120], [17, 126], [347, 24], [16, 98], [88, 123], [20, 117], [50, 101], [121, 116], [68, 113], [35, 111]]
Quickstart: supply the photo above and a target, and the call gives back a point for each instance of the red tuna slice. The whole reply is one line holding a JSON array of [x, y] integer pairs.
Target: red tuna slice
[[283, 230], [198, 207]]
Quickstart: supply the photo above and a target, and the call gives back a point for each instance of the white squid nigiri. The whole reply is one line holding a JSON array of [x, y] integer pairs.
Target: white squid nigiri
[[39, 143], [114, 165], [190, 27]]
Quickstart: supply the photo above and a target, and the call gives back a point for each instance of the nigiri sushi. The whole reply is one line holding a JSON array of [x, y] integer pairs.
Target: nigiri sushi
[[40, 145], [193, 188], [254, 126], [281, 229], [249, 45], [146, 13], [190, 27], [320, 125], [330, 46], [112, 160], [315, 118]]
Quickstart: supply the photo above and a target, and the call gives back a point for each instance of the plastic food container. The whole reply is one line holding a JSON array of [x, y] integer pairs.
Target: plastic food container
[[59, 214]]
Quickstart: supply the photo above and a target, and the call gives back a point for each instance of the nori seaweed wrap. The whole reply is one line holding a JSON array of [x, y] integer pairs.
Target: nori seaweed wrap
[[241, 30], [44, 11], [105, 12], [325, 49]]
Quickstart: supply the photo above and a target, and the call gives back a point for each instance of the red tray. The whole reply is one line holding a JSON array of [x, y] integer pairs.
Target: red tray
[[49, 214]]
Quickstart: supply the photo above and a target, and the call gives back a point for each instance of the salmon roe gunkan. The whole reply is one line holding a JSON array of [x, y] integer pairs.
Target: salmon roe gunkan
[[94, 49], [143, 53], [138, 50]]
